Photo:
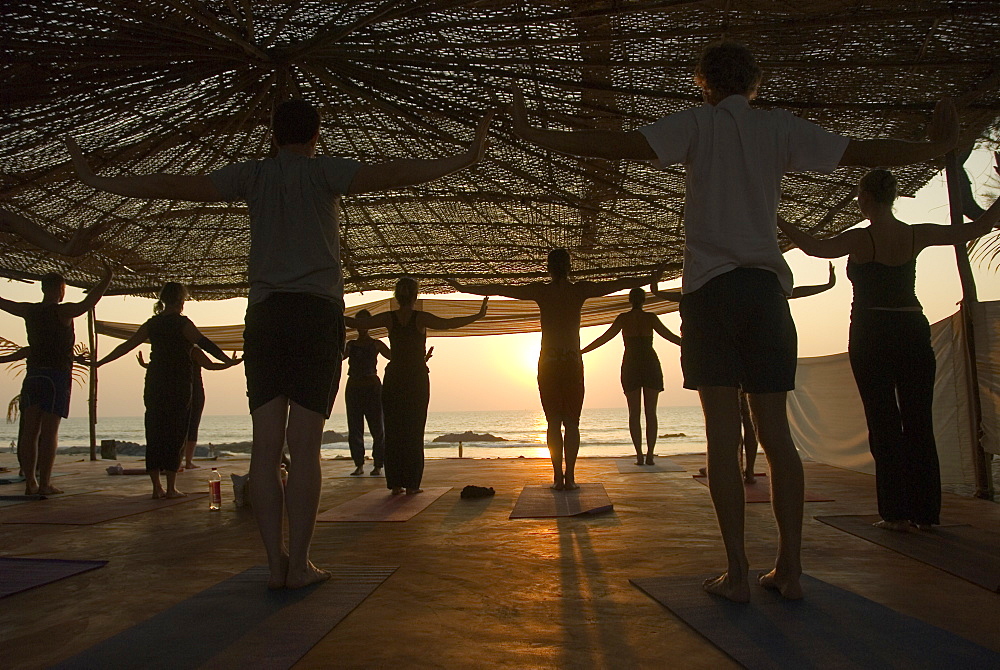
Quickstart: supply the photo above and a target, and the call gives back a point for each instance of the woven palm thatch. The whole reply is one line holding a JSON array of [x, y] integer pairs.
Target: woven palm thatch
[[186, 86]]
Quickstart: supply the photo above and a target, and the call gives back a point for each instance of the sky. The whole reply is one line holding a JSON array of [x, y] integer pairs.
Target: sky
[[498, 372]]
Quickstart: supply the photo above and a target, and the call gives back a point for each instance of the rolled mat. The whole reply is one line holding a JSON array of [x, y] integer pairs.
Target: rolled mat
[[380, 505], [628, 467], [542, 502], [238, 623], [829, 628], [760, 490], [21, 574], [88, 509], [970, 553]]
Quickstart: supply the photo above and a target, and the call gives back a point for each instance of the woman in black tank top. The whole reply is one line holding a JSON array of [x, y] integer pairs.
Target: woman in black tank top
[[890, 346], [406, 387]]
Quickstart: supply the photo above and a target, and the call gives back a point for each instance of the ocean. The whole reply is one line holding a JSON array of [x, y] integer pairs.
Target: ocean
[[603, 432]]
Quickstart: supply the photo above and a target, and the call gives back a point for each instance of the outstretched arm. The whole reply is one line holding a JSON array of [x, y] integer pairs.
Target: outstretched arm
[[80, 243], [610, 144], [18, 355], [523, 292], [672, 296], [383, 349], [848, 242], [606, 337], [194, 336], [433, 322], [806, 291], [199, 357], [593, 289], [410, 171], [929, 234], [15, 308], [942, 136], [138, 337], [380, 320], [75, 309], [197, 188], [665, 332]]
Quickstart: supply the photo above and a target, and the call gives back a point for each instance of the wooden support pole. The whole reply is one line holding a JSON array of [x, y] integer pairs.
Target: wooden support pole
[[970, 298], [92, 400]]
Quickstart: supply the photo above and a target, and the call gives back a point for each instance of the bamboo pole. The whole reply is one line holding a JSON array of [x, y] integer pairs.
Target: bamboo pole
[[92, 401], [970, 298]]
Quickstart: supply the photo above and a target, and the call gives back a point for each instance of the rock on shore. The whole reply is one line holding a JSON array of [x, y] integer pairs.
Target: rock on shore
[[468, 436]]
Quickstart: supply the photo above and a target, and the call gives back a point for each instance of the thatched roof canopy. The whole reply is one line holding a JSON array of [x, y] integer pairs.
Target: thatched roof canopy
[[184, 86]]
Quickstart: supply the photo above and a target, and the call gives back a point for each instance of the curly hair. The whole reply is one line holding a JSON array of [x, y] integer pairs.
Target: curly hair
[[728, 68]]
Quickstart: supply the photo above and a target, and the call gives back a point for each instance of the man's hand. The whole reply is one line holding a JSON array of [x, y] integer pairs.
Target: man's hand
[[79, 161], [480, 142], [519, 113], [944, 126], [482, 308]]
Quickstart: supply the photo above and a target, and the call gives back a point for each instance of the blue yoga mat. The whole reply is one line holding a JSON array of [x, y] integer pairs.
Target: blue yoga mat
[[21, 574], [829, 629], [237, 623]]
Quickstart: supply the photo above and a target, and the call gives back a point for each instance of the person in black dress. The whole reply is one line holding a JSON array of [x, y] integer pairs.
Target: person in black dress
[[406, 388], [642, 377], [890, 345], [47, 383], [167, 395], [199, 362]]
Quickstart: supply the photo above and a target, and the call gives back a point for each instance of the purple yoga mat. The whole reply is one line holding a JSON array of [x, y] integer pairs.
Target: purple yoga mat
[[21, 574]]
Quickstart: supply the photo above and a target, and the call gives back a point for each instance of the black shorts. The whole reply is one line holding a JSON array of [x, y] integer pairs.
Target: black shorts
[[47, 388], [737, 331], [292, 344]]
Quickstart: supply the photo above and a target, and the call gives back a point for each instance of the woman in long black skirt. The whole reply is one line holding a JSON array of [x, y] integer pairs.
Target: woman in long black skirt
[[890, 345], [406, 388], [167, 395]]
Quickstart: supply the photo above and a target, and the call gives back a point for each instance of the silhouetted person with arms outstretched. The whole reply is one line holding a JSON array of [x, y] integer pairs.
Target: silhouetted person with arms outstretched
[[48, 378], [406, 391], [642, 377], [737, 329], [294, 332], [168, 386], [363, 398], [890, 345], [560, 364]]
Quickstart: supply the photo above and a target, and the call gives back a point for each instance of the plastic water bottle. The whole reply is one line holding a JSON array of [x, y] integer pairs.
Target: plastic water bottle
[[215, 490], [284, 475]]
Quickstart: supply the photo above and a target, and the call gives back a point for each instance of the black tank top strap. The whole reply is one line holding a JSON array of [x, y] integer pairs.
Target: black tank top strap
[[871, 239]]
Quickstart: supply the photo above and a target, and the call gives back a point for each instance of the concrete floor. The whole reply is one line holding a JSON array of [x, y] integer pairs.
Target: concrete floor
[[473, 589]]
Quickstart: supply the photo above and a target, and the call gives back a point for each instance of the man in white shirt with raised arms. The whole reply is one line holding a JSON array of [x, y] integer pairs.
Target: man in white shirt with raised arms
[[737, 330]]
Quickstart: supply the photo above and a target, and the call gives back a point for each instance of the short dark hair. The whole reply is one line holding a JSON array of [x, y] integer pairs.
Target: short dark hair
[[881, 185], [728, 68], [637, 296], [363, 314], [406, 288], [295, 122], [51, 282], [559, 262]]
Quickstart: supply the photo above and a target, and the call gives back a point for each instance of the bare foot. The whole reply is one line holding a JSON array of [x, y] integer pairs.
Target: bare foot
[[174, 493], [723, 586], [301, 578], [158, 494], [191, 466], [396, 490], [787, 586], [649, 459], [49, 490], [570, 485], [558, 484], [411, 492], [358, 471], [31, 489], [897, 526], [639, 461], [277, 578]]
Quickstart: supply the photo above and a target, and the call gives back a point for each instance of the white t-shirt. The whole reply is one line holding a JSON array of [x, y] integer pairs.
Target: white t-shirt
[[735, 157], [294, 203]]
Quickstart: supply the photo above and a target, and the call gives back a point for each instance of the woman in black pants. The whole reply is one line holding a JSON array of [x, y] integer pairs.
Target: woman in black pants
[[890, 347], [167, 395], [406, 388]]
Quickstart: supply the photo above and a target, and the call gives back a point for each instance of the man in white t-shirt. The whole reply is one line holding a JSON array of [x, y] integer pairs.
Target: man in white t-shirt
[[294, 324], [737, 330]]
